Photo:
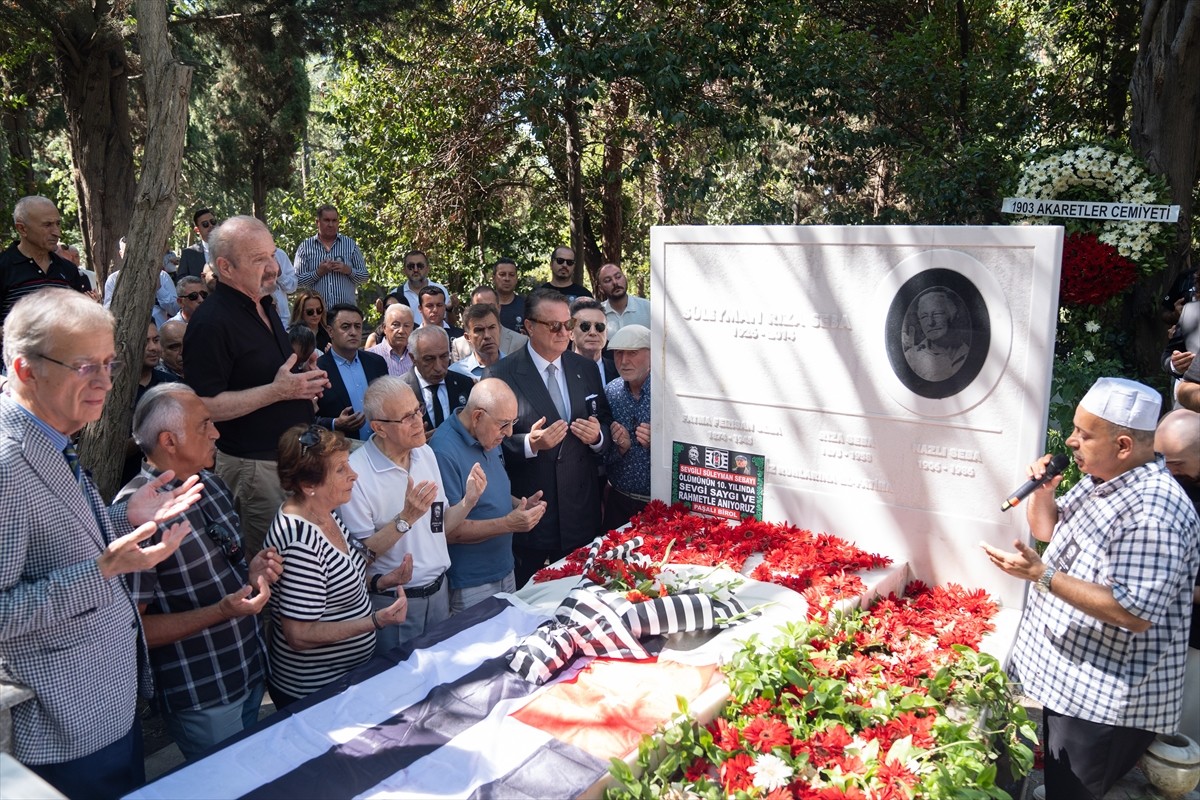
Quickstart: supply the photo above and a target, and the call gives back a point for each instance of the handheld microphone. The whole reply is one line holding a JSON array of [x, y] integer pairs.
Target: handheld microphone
[[1056, 466]]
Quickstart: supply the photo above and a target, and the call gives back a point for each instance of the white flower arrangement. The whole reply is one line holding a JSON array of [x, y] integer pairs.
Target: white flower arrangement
[[1119, 179]]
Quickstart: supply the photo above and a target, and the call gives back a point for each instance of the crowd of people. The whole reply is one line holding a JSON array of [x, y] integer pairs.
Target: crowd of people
[[304, 500], [306, 492]]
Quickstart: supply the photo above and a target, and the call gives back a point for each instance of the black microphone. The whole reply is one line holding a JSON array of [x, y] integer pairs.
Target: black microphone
[[1056, 466]]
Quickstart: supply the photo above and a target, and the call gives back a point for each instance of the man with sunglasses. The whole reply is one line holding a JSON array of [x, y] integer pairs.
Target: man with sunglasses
[[416, 267], [559, 435], [191, 292], [193, 258], [562, 275], [481, 556], [589, 338], [200, 606]]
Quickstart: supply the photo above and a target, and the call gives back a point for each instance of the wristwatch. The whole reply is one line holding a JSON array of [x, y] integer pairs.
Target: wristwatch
[[1043, 583], [402, 525]]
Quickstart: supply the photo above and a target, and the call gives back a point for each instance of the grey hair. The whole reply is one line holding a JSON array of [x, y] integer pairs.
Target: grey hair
[[159, 410], [422, 333], [25, 203], [38, 318], [225, 238], [380, 391], [186, 281]]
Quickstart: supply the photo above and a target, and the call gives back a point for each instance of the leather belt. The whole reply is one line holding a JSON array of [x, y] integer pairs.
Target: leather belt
[[425, 591]]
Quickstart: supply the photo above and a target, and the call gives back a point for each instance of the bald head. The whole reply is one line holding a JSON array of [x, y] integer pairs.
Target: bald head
[[1178, 439], [489, 412]]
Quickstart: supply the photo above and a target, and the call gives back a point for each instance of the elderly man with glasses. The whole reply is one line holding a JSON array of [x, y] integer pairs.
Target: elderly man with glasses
[[398, 503], [200, 606], [191, 292], [481, 557], [68, 627]]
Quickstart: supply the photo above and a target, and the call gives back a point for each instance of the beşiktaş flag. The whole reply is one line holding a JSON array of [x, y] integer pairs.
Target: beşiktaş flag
[[446, 717]]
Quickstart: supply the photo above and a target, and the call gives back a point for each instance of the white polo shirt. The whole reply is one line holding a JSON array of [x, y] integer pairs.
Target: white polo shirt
[[378, 496]]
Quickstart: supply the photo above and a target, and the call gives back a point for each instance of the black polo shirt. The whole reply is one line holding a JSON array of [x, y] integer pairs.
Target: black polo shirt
[[20, 275], [226, 348]]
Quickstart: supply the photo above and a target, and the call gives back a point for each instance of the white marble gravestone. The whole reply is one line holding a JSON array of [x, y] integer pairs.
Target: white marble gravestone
[[895, 380]]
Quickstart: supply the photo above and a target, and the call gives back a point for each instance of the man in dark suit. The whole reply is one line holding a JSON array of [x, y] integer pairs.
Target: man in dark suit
[[68, 627], [350, 370], [554, 444], [193, 259], [441, 391]]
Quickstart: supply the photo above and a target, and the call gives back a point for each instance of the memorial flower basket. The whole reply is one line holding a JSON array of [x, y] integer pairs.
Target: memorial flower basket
[[622, 598], [894, 702]]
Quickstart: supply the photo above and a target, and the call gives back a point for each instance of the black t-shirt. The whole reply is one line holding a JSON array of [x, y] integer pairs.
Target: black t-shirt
[[226, 348], [513, 314], [573, 292], [20, 276]]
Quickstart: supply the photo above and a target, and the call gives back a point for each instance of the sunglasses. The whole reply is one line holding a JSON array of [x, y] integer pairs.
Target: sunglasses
[[555, 327], [586, 326], [208, 223], [225, 539], [414, 265], [310, 438], [193, 296], [313, 312], [570, 262]]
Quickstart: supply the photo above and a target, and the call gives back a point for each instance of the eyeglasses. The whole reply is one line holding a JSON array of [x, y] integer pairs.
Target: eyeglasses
[[208, 223], [586, 326], [224, 538], [407, 418], [414, 265], [555, 327], [194, 296], [87, 371], [310, 438], [570, 262], [504, 423], [313, 312]]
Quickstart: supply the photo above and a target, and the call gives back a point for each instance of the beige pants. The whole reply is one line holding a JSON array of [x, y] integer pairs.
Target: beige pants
[[255, 487]]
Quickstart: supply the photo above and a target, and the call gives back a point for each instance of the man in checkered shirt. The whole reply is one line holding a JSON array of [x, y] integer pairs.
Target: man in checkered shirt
[[1103, 641], [198, 607]]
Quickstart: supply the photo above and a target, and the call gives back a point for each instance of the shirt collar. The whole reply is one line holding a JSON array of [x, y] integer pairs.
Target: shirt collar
[[542, 363], [345, 362], [56, 437]]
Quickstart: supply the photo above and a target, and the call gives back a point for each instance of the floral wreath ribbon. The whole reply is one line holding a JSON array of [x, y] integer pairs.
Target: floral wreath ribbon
[[595, 621]]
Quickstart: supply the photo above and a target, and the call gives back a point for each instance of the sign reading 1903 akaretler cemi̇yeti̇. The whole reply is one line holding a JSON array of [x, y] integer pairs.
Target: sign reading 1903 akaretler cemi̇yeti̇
[[893, 381]]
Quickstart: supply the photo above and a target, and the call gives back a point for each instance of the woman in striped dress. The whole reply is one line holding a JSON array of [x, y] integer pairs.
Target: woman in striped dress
[[323, 625]]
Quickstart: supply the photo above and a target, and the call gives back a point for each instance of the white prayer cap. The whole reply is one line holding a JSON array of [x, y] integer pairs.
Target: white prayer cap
[[1123, 402], [630, 337]]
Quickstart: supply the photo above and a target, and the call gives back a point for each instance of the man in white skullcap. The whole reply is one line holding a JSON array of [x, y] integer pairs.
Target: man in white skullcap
[[1103, 640]]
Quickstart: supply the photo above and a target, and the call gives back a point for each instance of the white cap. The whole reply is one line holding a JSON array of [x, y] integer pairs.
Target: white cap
[[630, 337], [1123, 402]]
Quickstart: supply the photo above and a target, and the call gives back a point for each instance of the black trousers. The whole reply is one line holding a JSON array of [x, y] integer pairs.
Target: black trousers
[[1085, 759]]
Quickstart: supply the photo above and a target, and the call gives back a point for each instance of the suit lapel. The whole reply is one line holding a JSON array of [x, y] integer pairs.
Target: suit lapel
[[51, 468], [337, 387], [533, 385]]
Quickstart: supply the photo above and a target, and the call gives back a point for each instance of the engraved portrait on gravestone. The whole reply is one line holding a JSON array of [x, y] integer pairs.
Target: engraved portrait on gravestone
[[938, 333]]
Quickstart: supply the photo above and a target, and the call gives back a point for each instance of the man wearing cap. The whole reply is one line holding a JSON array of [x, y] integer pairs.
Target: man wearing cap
[[1103, 640], [629, 396]]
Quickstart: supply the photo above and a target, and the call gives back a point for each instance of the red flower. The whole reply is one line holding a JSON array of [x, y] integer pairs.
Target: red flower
[[735, 773], [759, 705], [829, 743], [765, 733], [898, 781], [1093, 272], [725, 736], [634, 596], [698, 769]]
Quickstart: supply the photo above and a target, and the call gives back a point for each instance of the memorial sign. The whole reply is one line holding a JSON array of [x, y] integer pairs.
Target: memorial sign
[[892, 381], [716, 481]]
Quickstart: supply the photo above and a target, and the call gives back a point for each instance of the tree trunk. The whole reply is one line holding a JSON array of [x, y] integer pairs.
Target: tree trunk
[[167, 82], [93, 72], [258, 187], [1165, 92], [612, 223]]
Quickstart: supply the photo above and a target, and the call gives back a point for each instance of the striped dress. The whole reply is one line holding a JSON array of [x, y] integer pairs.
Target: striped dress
[[319, 583]]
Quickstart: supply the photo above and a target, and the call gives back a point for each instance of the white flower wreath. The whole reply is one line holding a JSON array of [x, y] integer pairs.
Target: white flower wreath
[[1116, 177]]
